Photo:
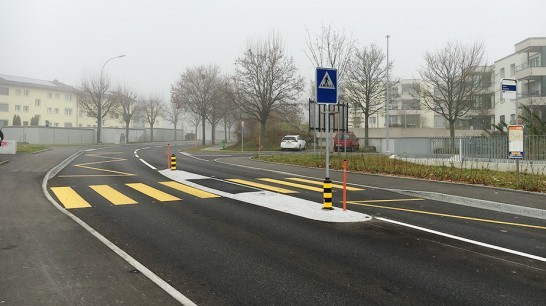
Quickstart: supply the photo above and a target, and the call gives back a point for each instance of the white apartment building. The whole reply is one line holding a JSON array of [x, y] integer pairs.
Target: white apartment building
[[526, 65]]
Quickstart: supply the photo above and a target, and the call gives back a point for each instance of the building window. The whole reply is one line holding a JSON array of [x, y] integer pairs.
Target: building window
[[512, 118], [502, 72], [68, 112], [18, 92], [49, 95], [26, 92], [4, 91], [17, 108], [56, 111], [4, 107], [57, 96], [68, 98], [512, 69], [503, 118], [372, 121], [56, 124], [49, 110], [37, 102], [25, 108]]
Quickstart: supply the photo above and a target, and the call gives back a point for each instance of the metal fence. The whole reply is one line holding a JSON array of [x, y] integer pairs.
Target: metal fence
[[483, 148]]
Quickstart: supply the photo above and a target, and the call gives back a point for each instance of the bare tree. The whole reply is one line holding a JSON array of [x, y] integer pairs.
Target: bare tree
[[173, 114], [266, 80], [91, 93], [197, 90], [365, 88], [449, 81], [127, 106], [219, 104], [152, 108], [330, 49]]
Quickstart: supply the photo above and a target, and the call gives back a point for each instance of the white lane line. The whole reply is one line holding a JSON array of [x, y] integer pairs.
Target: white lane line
[[154, 168], [128, 258], [194, 157], [135, 152], [486, 245]]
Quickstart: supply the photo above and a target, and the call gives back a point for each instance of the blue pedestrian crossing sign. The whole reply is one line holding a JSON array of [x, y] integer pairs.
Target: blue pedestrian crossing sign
[[326, 86]]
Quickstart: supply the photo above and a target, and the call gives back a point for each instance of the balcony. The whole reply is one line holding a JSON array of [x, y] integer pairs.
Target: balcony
[[530, 70]]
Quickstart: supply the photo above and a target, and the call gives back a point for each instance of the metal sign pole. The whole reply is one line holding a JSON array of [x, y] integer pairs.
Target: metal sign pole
[[327, 142]]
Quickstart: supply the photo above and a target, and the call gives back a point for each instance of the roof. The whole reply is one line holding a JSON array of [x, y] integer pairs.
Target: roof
[[29, 82]]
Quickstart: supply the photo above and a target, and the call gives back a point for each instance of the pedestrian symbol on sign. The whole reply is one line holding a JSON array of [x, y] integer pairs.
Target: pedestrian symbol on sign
[[326, 82]]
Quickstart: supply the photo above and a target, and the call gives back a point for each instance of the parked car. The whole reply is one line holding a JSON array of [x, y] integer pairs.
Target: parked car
[[346, 142], [294, 142]]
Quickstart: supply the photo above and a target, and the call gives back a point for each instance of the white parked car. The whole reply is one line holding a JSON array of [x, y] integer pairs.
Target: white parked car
[[294, 142]]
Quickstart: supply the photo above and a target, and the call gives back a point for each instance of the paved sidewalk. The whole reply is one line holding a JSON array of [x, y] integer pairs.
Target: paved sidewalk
[[48, 259]]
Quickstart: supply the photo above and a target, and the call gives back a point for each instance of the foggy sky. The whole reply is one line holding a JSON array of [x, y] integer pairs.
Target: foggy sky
[[64, 39]]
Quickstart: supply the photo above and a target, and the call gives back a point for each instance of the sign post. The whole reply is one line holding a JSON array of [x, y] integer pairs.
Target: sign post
[[326, 93], [515, 146]]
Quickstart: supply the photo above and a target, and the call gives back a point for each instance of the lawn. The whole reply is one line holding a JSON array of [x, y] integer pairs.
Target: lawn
[[380, 164]]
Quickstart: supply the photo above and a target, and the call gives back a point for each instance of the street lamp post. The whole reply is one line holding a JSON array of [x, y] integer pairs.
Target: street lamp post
[[99, 115], [387, 119]]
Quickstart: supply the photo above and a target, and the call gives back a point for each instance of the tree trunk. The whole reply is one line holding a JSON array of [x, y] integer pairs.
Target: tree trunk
[[203, 119], [366, 131], [174, 131], [127, 132], [262, 133], [452, 137], [212, 136], [151, 132]]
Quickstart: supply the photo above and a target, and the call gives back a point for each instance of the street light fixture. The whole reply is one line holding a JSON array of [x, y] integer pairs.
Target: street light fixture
[[99, 123]]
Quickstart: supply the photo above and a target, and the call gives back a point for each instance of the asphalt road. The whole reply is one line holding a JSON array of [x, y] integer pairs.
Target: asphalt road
[[217, 250]]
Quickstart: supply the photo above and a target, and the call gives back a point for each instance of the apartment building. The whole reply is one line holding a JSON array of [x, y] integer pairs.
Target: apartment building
[[526, 66], [33, 102], [37, 102]]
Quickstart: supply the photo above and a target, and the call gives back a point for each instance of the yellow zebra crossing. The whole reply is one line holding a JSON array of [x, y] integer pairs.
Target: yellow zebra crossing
[[70, 198]]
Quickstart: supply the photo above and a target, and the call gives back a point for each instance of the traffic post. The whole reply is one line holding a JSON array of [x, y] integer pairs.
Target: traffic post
[[327, 194], [173, 162], [326, 93]]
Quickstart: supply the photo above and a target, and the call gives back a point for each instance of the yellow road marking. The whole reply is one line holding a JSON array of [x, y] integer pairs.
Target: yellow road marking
[[69, 198], [152, 192], [292, 184], [297, 179], [93, 175], [109, 160], [112, 195], [451, 216], [193, 191], [262, 186]]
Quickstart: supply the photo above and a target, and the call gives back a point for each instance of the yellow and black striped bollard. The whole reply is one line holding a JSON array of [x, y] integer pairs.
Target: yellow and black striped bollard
[[173, 162], [327, 194]]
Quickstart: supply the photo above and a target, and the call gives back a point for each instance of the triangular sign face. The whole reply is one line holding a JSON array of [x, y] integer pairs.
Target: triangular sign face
[[326, 82]]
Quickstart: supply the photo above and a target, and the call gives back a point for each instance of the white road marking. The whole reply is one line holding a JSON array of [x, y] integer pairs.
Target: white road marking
[[189, 155], [154, 168], [272, 200], [486, 245]]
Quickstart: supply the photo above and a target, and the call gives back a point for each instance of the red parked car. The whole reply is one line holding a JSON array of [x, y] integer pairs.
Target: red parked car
[[346, 142]]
